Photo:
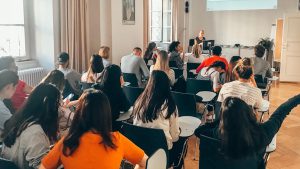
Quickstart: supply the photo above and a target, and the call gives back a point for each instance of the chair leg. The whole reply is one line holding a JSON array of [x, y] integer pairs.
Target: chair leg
[[195, 150]]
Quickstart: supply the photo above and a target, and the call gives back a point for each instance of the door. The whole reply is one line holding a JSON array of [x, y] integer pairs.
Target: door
[[290, 54]]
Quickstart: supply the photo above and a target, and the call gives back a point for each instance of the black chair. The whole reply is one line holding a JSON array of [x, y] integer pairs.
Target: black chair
[[191, 66], [212, 157], [132, 93], [186, 103], [85, 85], [217, 109], [260, 81], [69, 90], [148, 139], [193, 86], [172, 64], [6, 164], [131, 78], [178, 72]]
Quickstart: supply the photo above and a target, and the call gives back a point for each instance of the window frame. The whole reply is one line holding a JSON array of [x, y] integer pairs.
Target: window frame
[[162, 27], [25, 25]]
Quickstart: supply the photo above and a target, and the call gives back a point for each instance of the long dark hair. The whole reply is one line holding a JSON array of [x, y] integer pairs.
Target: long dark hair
[[156, 94], [56, 78], [173, 46], [96, 66], [92, 114], [149, 50], [110, 78], [238, 129], [40, 108]]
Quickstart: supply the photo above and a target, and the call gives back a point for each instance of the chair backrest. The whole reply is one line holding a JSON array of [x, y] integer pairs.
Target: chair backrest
[[217, 109], [191, 66], [131, 78], [260, 81], [172, 64], [6, 164], [132, 93], [186, 103], [158, 160], [194, 86], [68, 90], [178, 72], [212, 157], [148, 139], [85, 85]]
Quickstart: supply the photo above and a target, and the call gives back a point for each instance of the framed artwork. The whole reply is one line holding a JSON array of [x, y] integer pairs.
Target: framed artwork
[[128, 12]]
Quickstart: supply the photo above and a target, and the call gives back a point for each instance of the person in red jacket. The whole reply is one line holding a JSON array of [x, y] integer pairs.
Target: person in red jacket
[[217, 51]]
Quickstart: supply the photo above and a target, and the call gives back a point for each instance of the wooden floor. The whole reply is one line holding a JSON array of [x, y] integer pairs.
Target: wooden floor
[[287, 154]]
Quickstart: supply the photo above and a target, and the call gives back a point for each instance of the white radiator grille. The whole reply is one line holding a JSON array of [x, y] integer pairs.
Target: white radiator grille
[[32, 76]]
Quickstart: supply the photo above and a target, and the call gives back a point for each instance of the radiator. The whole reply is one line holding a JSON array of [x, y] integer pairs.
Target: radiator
[[32, 76]]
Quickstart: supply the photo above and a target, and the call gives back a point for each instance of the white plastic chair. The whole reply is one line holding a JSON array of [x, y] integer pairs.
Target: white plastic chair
[[158, 160]]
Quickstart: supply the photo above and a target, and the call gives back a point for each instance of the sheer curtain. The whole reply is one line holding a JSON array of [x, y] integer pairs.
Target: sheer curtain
[[73, 21]]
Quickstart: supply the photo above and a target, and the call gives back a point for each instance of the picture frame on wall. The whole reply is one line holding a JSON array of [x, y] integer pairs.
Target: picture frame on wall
[[128, 13]]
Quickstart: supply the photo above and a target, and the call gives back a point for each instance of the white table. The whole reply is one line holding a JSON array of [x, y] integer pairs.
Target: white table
[[125, 115], [265, 106], [126, 83], [207, 96], [274, 78], [188, 124], [193, 71]]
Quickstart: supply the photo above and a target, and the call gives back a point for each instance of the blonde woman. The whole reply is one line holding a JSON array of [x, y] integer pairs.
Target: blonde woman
[[104, 53], [195, 56], [162, 63]]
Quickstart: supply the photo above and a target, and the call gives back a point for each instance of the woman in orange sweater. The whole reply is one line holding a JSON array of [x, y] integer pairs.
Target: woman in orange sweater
[[90, 142]]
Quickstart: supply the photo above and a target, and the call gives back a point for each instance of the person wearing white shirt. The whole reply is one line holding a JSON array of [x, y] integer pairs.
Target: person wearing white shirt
[[213, 73], [155, 108], [243, 88], [162, 63]]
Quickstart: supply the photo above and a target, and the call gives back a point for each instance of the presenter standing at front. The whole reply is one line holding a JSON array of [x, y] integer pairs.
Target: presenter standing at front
[[200, 38]]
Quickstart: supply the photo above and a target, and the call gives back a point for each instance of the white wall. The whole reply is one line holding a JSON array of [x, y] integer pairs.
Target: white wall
[[105, 23], [231, 27], [125, 37]]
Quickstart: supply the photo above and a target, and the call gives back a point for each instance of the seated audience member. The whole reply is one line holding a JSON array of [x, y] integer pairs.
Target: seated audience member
[[243, 88], [22, 90], [94, 71], [213, 72], [134, 63], [231, 74], [240, 135], [56, 78], [195, 56], [175, 51], [217, 51], [200, 38], [162, 64], [29, 133], [90, 142], [104, 53], [261, 66], [110, 83], [155, 108], [150, 52], [8, 82], [72, 76]]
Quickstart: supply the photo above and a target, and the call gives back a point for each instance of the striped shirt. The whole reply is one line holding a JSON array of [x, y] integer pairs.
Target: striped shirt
[[251, 95]]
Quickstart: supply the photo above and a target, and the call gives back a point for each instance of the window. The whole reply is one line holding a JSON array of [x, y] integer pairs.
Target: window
[[160, 20], [12, 31]]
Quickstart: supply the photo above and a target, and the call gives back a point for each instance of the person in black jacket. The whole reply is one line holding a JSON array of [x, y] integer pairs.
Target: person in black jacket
[[110, 83], [240, 134]]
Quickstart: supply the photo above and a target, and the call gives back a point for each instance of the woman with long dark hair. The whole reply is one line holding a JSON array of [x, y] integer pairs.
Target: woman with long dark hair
[[240, 134], [155, 108], [110, 83], [149, 52], [95, 68], [175, 52], [90, 142], [55, 77], [29, 133]]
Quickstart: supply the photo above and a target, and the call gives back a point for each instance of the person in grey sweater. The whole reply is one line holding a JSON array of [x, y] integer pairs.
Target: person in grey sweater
[[29, 133], [134, 63], [261, 66], [175, 54]]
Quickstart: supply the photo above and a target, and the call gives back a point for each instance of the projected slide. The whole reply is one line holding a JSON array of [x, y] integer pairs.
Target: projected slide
[[224, 5]]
